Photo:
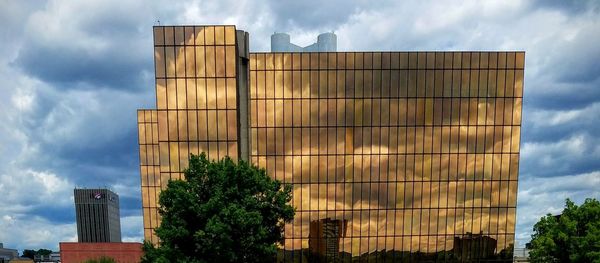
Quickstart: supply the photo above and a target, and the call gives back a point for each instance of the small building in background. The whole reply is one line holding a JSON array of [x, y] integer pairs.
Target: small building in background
[[53, 257], [121, 252], [6, 254], [21, 260], [521, 255]]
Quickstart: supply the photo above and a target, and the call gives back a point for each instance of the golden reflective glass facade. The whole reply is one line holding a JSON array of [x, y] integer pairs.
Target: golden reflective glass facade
[[393, 156], [196, 104], [411, 149]]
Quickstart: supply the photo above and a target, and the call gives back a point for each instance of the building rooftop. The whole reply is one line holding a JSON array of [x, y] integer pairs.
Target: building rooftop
[[326, 42]]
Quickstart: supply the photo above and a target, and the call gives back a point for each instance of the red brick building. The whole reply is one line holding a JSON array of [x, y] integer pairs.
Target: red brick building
[[73, 252]]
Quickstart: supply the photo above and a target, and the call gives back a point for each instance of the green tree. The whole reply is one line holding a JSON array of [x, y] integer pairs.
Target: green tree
[[28, 253], [573, 236], [43, 252], [222, 212]]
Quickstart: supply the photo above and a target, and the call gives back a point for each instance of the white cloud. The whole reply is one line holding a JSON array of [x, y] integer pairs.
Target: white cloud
[[35, 232], [23, 100], [548, 118], [131, 229], [573, 147], [130, 191], [26, 189], [559, 157]]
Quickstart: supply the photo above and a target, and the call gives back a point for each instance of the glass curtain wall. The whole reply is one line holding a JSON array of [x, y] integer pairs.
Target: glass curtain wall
[[408, 154], [196, 107], [404, 151]]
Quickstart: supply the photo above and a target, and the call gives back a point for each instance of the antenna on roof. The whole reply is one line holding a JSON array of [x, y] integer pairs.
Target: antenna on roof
[[158, 22]]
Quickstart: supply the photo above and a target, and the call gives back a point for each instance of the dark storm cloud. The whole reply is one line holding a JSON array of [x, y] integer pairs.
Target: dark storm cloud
[[117, 68], [558, 141], [529, 132], [130, 206], [572, 7], [56, 215], [119, 152], [563, 100], [114, 164], [570, 79], [87, 132], [565, 148], [66, 214], [582, 71], [94, 45]]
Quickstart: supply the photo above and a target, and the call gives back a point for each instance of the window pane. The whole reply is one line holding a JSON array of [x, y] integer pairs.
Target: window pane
[[230, 35], [220, 61], [230, 61], [159, 60], [210, 61]]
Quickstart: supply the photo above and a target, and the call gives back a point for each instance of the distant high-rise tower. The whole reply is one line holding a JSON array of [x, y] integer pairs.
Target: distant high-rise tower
[[98, 218]]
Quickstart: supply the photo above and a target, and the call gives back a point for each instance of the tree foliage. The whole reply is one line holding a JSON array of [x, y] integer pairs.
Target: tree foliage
[[30, 253], [573, 236], [222, 212], [43, 252]]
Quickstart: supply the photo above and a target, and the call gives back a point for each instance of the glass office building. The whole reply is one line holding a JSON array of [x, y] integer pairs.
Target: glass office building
[[393, 156]]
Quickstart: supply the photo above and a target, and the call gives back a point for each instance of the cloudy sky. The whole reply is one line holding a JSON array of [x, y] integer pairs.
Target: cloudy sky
[[73, 73]]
